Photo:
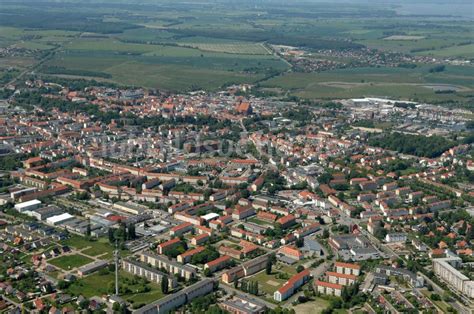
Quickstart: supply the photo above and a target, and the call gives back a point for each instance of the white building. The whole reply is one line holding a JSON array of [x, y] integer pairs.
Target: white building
[[59, 219], [27, 206], [446, 269], [395, 237]]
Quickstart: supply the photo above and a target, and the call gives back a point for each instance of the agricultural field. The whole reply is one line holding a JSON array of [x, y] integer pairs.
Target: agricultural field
[[181, 47], [233, 48], [162, 66], [466, 51]]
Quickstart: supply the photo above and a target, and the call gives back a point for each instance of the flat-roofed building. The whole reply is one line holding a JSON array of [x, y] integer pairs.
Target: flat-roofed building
[[27, 206], [240, 304], [92, 267], [45, 212], [170, 265], [151, 274], [178, 299], [59, 219], [445, 268]]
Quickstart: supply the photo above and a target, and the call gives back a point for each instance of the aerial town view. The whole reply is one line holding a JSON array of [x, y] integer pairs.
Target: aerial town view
[[244, 157]]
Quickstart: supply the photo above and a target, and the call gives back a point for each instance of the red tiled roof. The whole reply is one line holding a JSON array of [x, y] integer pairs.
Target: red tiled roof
[[328, 284], [347, 265], [218, 261]]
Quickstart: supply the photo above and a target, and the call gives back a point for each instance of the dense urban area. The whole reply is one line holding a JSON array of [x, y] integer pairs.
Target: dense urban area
[[242, 197]]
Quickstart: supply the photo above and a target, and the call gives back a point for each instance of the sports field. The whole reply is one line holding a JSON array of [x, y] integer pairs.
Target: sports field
[[68, 262]]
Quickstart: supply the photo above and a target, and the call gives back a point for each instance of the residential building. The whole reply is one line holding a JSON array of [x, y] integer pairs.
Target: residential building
[[291, 285]]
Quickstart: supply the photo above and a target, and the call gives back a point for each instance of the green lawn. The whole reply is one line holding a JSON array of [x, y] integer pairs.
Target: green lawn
[[99, 247], [268, 283], [70, 261], [94, 248], [258, 221]]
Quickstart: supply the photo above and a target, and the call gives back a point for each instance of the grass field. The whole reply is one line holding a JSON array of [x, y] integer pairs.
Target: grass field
[[68, 262], [233, 48], [98, 285], [258, 221], [93, 248], [466, 51], [270, 283], [312, 307]]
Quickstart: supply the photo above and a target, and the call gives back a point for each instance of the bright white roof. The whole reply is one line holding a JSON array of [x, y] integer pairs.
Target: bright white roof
[[210, 216], [59, 218], [27, 204]]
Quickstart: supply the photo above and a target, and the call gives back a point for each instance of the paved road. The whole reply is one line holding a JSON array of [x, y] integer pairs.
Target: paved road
[[11, 301]]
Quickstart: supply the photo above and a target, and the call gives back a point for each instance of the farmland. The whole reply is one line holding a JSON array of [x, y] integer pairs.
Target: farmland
[[177, 47]]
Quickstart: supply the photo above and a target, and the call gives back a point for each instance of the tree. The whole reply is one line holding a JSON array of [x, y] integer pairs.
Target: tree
[[84, 304], [88, 231], [207, 272], [300, 242], [268, 268], [164, 285], [111, 233], [63, 284], [300, 268], [243, 286], [325, 234], [470, 234], [116, 307], [131, 232]]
